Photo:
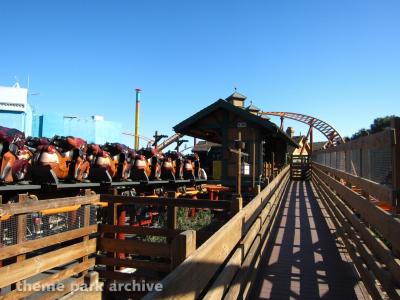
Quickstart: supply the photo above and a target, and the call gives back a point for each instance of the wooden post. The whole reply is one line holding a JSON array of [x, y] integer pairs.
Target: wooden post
[[111, 220], [91, 279], [395, 123], [264, 170], [86, 223], [254, 161], [119, 219], [171, 215], [21, 232], [183, 245], [273, 166], [239, 166], [236, 204]]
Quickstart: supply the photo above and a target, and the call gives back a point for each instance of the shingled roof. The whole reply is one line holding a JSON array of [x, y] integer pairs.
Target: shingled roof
[[252, 107], [237, 96], [183, 127]]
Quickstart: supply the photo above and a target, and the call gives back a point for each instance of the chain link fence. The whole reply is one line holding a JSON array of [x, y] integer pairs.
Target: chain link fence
[[39, 225], [8, 231], [368, 157]]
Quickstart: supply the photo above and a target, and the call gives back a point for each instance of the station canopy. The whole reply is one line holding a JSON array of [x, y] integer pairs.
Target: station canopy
[[207, 124]]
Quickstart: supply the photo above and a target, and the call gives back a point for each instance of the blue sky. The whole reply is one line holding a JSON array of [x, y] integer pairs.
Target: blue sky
[[336, 60]]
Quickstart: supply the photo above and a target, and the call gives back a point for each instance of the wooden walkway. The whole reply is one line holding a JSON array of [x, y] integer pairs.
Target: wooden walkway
[[306, 261]]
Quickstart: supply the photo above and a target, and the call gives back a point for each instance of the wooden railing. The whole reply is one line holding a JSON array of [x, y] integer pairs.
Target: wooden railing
[[370, 234], [370, 163], [39, 236], [225, 264], [152, 260], [366, 187]]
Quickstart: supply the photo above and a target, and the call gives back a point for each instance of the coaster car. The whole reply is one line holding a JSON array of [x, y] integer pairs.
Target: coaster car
[[172, 166], [147, 165], [192, 169], [102, 167], [119, 154], [61, 158], [15, 157]]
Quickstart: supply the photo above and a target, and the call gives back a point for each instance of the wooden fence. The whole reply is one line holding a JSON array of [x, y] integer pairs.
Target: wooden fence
[[370, 163], [151, 260], [44, 243], [225, 264], [370, 234]]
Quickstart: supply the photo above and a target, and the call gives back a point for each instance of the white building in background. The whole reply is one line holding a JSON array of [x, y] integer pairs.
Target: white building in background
[[15, 111]]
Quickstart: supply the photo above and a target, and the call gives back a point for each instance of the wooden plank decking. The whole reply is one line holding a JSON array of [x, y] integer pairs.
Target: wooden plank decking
[[306, 261]]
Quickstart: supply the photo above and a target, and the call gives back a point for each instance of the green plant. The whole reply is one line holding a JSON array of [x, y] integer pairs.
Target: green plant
[[202, 219]]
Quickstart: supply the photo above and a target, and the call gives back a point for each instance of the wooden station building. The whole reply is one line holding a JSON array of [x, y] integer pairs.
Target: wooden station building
[[265, 144]]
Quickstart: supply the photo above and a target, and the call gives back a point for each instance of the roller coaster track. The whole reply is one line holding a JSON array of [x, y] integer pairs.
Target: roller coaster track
[[145, 138], [327, 130], [172, 139]]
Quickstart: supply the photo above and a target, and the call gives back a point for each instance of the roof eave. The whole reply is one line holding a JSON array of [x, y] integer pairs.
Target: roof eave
[[180, 128]]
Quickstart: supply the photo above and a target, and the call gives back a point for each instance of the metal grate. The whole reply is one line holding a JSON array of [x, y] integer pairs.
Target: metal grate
[[39, 225], [341, 161], [381, 165], [93, 214], [355, 163], [8, 232], [374, 164], [333, 160]]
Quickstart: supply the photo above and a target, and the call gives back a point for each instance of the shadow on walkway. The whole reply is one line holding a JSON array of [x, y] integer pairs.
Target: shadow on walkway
[[304, 261]]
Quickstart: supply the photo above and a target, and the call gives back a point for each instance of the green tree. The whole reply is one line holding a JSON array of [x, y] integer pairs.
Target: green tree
[[381, 123], [378, 125], [360, 133]]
